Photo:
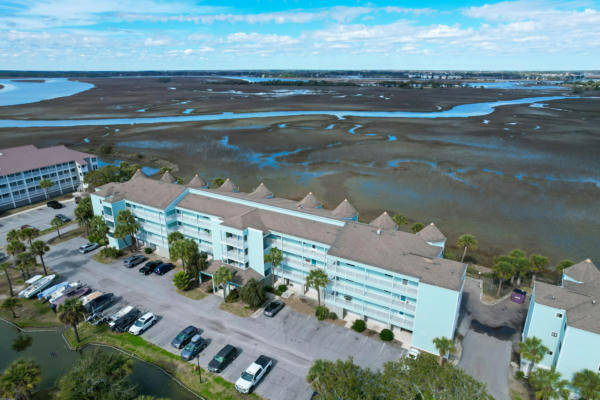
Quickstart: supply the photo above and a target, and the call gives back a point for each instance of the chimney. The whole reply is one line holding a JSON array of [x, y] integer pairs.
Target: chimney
[[378, 231]]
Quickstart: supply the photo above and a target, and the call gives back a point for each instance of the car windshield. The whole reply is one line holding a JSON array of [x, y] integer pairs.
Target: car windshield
[[190, 347], [139, 323], [181, 336], [219, 359], [247, 377]]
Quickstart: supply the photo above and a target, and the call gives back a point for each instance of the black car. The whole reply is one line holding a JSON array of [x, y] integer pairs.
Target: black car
[[223, 358], [273, 308], [184, 337], [163, 268], [99, 304], [134, 260], [149, 267], [63, 218], [123, 323], [193, 348], [54, 204]]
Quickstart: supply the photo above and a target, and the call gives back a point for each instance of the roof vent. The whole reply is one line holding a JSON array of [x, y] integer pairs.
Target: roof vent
[[553, 297], [593, 301], [379, 231]]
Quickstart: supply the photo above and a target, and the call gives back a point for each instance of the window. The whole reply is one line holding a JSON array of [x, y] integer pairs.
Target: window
[[550, 352], [554, 334], [558, 315], [404, 282]]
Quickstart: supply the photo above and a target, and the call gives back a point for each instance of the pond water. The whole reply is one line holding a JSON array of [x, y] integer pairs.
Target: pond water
[[50, 351], [460, 111], [148, 171], [23, 91], [527, 85]]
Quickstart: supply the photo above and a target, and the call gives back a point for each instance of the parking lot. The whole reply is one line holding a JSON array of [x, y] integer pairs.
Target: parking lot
[[38, 218], [292, 339]]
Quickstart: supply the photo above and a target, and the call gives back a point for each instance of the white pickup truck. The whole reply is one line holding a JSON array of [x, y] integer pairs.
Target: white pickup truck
[[253, 374]]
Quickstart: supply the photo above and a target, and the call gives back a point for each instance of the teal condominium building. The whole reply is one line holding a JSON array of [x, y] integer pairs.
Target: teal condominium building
[[391, 278], [567, 320]]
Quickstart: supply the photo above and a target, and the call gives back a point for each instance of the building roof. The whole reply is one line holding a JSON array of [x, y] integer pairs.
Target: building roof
[[345, 210], [227, 186], [142, 190], [584, 271], [197, 182], [309, 201], [384, 221], [216, 207], [240, 276], [167, 177], [24, 158], [431, 234], [138, 173], [262, 191]]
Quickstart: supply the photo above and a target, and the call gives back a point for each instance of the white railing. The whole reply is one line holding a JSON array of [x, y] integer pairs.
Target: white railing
[[383, 316], [234, 242], [360, 277], [387, 301], [289, 275], [238, 256], [301, 250]]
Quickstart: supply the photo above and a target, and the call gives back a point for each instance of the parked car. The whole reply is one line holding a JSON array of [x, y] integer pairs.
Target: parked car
[[273, 308], [99, 304], [123, 323], [193, 348], [36, 230], [253, 374], [54, 204], [223, 358], [144, 322], [413, 353], [163, 268], [86, 248], [3, 256], [134, 260], [149, 267], [184, 337], [63, 218]]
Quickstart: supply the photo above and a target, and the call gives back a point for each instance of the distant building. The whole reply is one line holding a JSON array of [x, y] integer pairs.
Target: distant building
[[567, 320], [387, 277], [22, 168]]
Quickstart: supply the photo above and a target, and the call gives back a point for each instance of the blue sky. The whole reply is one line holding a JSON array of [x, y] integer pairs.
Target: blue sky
[[296, 34]]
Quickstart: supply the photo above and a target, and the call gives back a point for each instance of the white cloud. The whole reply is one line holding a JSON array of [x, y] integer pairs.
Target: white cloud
[[156, 42]]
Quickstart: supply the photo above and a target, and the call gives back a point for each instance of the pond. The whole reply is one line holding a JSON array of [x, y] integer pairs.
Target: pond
[[23, 91], [51, 352]]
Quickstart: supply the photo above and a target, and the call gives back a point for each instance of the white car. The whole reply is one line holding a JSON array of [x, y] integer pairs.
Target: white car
[[413, 353], [143, 323], [253, 374]]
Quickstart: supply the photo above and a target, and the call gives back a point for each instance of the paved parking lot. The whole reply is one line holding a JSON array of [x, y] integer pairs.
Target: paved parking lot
[[294, 340], [39, 218]]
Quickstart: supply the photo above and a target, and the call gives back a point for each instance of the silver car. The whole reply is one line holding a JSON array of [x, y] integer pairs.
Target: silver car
[[88, 247]]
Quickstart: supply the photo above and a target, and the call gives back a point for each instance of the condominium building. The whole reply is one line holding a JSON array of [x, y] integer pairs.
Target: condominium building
[[22, 168], [567, 320], [392, 278]]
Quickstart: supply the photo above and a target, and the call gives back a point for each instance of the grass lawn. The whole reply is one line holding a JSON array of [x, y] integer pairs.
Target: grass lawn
[[79, 231], [238, 308], [194, 294], [52, 229], [213, 387], [32, 314]]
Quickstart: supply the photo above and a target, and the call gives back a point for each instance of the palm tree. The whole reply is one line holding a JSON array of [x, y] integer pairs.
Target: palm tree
[[28, 234], [24, 261], [317, 278], [521, 265], [175, 236], [4, 267], [223, 275], [564, 264], [538, 263], [274, 256], [46, 184], [399, 219], [417, 227], [548, 385], [444, 346], [98, 231], [10, 304], [15, 247], [467, 242], [503, 271], [56, 224], [19, 379], [127, 225], [72, 312], [532, 350], [13, 235], [39, 248], [253, 293], [587, 383], [84, 213]]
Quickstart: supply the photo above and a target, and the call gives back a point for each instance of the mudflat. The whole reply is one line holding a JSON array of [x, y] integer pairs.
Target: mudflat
[[525, 176]]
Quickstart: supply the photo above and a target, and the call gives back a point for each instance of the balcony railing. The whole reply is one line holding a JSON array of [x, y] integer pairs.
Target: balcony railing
[[387, 301], [235, 255], [235, 242], [298, 249], [285, 273], [372, 312], [347, 273]]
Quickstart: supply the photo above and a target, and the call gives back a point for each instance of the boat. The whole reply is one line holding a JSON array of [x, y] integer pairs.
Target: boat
[[37, 286], [90, 297], [46, 293], [122, 312], [30, 282], [65, 289], [74, 294]]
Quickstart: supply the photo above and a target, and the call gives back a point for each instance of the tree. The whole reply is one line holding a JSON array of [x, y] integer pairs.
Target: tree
[[13, 235], [56, 224], [28, 234], [184, 249], [564, 264], [4, 267], [417, 227], [20, 379], [520, 262], [274, 257], [110, 173], [253, 293], [335, 380], [532, 350], [444, 346], [223, 276], [317, 278], [11, 304], [15, 247], [538, 263], [218, 182], [175, 236], [503, 271], [548, 385], [45, 184], [182, 280], [98, 231], [399, 220], [24, 261], [127, 225], [39, 248], [72, 312], [587, 383], [98, 375], [466, 241], [84, 213]]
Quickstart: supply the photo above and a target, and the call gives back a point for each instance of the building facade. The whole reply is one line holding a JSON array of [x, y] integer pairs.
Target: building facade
[[22, 168], [567, 320], [396, 279]]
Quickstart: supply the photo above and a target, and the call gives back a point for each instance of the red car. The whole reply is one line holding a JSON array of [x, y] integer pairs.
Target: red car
[[36, 230]]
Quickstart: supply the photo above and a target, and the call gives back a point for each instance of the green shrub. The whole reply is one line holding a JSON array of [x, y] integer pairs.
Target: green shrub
[[253, 293], [333, 316], [269, 289], [520, 375], [281, 288], [472, 270], [182, 280], [448, 255], [110, 252], [359, 325], [233, 296], [322, 312], [386, 335], [148, 250], [105, 149]]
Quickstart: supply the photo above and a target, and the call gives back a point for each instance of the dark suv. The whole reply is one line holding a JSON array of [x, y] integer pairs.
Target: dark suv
[[149, 267], [163, 268], [54, 204], [223, 358], [184, 337], [123, 323]]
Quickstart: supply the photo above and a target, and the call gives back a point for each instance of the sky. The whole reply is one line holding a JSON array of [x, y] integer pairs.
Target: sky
[[298, 34]]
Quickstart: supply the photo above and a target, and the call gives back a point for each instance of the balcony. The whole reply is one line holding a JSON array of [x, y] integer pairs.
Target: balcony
[[234, 242], [388, 301], [287, 274], [297, 249], [395, 287], [236, 255], [372, 312]]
